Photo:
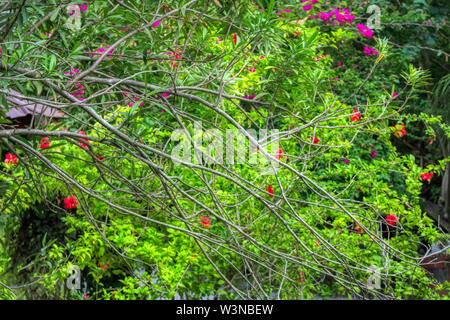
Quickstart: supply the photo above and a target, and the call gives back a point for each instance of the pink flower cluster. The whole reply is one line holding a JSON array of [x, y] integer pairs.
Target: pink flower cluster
[[281, 11], [308, 6], [366, 32], [79, 92], [129, 27], [78, 85], [101, 50], [342, 16], [82, 7], [72, 73], [252, 96], [126, 92], [368, 51]]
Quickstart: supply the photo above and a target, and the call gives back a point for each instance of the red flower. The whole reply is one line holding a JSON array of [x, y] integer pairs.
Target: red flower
[[426, 176], [45, 144], [279, 154], [270, 189], [83, 133], [400, 130], [103, 267], [70, 202], [358, 228], [10, 158], [205, 221], [315, 140], [235, 38], [100, 158], [391, 219], [301, 277], [318, 243], [81, 143], [355, 116]]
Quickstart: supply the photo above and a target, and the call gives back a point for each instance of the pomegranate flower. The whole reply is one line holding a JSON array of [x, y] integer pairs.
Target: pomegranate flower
[[356, 115], [301, 277], [81, 143], [358, 228], [400, 130], [205, 221], [391, 219], [45, 143], [279, 154], [70, 202], [235, 38], [10, 158], [315, 140], [426, 176], [270, 190]]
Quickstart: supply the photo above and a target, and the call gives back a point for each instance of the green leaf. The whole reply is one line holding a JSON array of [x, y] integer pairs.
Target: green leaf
[[54, 15], [52, 63]]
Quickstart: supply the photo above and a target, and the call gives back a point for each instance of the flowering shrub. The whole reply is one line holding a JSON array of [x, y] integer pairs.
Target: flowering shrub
[[310, 197]]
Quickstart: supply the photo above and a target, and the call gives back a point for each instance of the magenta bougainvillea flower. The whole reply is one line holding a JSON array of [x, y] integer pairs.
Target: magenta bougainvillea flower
[[82, 7], [342, 16], [45, 143], [374, 153], [136, 99], [346, 161], [157, 23], [72, 72], [366, 32], [426, 176], [10, 158], [391, 219], [100, 51], [70, 202], [368, 51], [394, 95]]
